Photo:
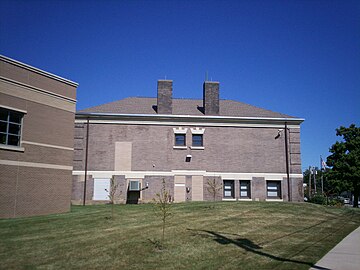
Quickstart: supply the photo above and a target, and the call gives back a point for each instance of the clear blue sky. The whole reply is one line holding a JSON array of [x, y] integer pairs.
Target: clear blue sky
[[301, 58]]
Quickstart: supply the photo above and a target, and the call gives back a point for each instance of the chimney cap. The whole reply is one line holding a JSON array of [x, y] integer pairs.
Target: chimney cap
[[212, 82]]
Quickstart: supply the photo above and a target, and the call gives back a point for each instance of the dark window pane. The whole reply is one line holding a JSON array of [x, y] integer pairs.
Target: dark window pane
[[13, 140], [274, 189], [10, 127], [197, 140], [180, 139], [15, 117], [229, 189], [245, 189], [2, 138], [14, 129], [3, 115], [3, 127]]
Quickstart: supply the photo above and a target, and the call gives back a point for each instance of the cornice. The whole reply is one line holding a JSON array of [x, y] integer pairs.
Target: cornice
[[38, 71], [148, 118]]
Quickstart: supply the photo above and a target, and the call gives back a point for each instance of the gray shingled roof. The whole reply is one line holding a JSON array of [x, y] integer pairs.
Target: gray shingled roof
[[143, 105]]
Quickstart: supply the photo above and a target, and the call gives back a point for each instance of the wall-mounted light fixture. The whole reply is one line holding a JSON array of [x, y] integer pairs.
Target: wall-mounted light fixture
[[279, 134], [187, 189], [188, 158]]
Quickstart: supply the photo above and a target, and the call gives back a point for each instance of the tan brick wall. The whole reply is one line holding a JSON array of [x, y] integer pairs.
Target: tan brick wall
[[40, 154], [26, 191], [258, 188], [8, 179], [43, 123], [239, 150], [197, 190], [28, 77], [31, 185]]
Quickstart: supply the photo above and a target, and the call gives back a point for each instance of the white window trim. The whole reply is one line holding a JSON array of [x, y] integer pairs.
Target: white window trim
[[197, 130], [180, 130], [179, 147], [13, 109], [274, 200], [197, 147], [19, 148], [12, 147]]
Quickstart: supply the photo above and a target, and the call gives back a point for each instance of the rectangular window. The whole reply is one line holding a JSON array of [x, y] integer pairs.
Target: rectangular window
[[197, 140], [273, 189], [10, 127], [229, 189], [134, 185], [245, 190], [180, 140]]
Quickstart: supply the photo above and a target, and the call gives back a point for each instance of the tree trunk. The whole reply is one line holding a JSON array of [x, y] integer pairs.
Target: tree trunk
[[356, 197]]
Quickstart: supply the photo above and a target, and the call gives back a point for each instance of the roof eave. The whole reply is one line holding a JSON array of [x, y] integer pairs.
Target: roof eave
[[38, 71], [180, 118]]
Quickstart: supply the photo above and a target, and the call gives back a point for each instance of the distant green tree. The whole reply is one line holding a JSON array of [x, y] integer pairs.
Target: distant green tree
[[345, 159], [329, 185]]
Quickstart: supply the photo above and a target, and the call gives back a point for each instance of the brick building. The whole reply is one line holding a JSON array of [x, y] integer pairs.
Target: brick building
[[37, 111], [143, 141]]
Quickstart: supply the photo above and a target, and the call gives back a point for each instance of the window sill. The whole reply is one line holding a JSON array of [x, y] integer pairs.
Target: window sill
[[274, 200], [197, 147], [245, 199], [180, 147], [12, 148], [229, 199]]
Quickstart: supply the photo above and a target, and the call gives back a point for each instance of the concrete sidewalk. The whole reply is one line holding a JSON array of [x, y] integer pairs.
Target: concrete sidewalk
[[344, 256]]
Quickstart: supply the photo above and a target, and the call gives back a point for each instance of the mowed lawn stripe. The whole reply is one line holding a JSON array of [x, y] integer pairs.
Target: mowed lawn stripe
[[203, 235]]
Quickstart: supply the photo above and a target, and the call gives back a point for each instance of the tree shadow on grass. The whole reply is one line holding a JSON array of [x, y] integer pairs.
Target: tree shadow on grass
[[250, 246]]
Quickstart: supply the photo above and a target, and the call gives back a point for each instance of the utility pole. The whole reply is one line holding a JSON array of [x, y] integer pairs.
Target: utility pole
[[322, 183], [287, 163], [310, 172], [322, 175], [315, 179], [86, 158]]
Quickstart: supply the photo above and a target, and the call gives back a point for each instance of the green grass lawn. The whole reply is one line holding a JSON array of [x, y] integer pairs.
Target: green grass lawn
[[231, 235]]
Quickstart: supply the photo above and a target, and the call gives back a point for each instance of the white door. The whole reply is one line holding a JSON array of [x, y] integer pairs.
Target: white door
[[100, 184]]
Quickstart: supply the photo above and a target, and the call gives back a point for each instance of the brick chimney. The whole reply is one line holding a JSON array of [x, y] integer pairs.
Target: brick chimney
[[164, 97], [211, 98]]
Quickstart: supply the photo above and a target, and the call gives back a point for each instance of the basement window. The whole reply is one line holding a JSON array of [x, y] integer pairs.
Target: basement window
[[273, 189], [245, 190], [229, 189]]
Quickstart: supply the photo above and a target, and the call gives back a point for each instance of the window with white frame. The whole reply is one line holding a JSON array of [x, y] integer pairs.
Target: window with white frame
[[245, 190], [180, 138], [134, 185], [197, 140], [273, 189], [229, 189], [10, 127]]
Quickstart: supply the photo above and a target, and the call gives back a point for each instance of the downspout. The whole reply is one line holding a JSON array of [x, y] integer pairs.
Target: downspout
[[287, 162], [86, 158]]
